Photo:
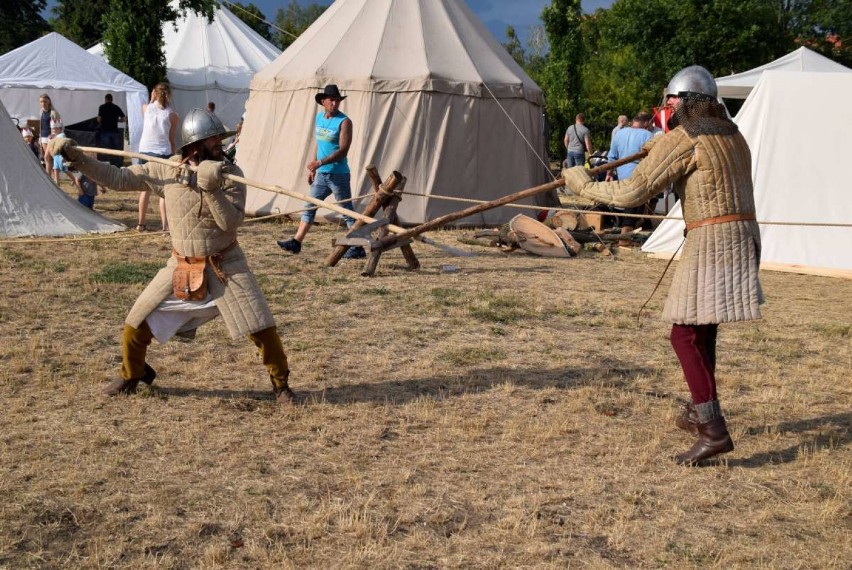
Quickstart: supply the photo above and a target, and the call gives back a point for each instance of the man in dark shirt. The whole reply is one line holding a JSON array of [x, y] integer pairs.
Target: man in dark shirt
[[109, 114]]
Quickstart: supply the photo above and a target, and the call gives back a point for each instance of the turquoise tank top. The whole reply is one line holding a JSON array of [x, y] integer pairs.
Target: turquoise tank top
[[327, 133]]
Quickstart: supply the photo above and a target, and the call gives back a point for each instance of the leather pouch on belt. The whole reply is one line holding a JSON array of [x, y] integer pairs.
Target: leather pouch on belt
[[188, 281]]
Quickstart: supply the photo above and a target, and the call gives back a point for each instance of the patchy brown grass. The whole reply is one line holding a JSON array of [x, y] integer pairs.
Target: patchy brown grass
[[512, 414]]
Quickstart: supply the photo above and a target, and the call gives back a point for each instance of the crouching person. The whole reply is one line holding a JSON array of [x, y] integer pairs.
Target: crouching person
[[207, 274]]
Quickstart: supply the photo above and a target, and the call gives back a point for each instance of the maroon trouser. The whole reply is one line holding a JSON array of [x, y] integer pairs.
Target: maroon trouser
[[695, 346]]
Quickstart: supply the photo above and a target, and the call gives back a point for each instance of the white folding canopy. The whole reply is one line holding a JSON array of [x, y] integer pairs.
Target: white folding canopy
[[75, 80], [30, 203], [798, 151], [212, 61], [739, 85], [431, 93]]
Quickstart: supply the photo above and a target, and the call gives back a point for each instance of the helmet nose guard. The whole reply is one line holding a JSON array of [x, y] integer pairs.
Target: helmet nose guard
[[692, 80], [200, 124]]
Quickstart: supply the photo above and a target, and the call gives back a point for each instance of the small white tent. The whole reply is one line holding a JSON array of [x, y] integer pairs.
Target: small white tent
[[798, 148], [431, 94], [212, 61], [75, 80], [30, 203], [739, 85]]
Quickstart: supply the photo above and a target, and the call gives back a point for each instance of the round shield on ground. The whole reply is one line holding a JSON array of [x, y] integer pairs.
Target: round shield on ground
[[536, 238]]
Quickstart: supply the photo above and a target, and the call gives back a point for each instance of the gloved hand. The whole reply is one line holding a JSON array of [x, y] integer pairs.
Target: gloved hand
[[209, 175], [66, 147], [575, 178]]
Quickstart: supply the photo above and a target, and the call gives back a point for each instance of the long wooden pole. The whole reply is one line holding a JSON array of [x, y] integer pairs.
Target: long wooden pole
[[277, 189], [453, 216]]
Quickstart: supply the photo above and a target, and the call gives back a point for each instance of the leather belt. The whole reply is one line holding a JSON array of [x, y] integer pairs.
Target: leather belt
[[215, 260], [719, 220]]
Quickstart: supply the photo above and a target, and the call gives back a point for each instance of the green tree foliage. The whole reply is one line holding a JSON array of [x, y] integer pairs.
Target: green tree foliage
[[514, 46], [294, 20], [21, 23], [560, 77], [253, 17], [80, 22], [133, 35]]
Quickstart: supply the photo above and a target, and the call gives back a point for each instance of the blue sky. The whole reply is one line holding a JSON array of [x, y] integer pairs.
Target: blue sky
[[495, 14]]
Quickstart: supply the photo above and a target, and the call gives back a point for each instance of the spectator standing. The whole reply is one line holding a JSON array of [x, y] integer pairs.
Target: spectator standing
[[57, 132], [329, 172], [86, 191], [622, 122], [48, 114], [627, 141], [109, 135], [29, 140], [578, 141], [159, 128]]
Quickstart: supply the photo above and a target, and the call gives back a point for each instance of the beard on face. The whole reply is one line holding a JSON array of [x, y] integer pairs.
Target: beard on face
[[206, 150]]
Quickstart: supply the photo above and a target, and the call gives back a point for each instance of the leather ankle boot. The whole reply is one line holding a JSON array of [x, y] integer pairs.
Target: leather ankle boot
[[713, 439], [688, 419], [122, 386]]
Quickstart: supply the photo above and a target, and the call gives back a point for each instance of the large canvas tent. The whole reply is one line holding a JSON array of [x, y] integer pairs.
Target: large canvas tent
[[212, 61], [75, 80], [431, 93], [30, 204], [798, 149], [739, 85]]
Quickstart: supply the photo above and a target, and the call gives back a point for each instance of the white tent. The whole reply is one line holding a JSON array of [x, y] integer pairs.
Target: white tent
[[430, 93], [75, 80], [739, 85], [30, 203], [799, 146], [212, 61]]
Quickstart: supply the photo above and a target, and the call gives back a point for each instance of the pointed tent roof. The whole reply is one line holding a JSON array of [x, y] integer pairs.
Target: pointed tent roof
[[739, 85], [431, 93], [393, 46], [211, 61], [30, 204], [794, 182], [54, 63]]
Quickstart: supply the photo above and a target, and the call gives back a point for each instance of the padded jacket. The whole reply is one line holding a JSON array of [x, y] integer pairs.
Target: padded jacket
[[200, 224], [716, 280]]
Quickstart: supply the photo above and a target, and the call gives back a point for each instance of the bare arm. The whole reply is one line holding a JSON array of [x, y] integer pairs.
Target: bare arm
[[589, 144], [173, 123]]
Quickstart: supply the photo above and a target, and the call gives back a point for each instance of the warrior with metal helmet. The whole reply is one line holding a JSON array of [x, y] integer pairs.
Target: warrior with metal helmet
[[707, 159], [207, 274]]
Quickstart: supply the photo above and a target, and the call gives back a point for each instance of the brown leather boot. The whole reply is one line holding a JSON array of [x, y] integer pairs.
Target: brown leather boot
[[273, 357], [122, 386], [713, 439], [688, 419], [285, 397]]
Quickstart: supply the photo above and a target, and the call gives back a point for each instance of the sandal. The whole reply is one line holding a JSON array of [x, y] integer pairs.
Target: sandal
[[141, 228]]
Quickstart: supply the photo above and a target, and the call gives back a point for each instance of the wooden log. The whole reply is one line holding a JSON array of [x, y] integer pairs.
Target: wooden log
[[383, 192], [565, 220], [534, 191]]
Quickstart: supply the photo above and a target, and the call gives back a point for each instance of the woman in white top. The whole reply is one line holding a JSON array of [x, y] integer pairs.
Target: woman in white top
[[158, 140]]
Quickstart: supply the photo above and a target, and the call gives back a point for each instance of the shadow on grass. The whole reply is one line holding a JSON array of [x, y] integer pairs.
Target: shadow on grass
[[832, 431], [609, 373]]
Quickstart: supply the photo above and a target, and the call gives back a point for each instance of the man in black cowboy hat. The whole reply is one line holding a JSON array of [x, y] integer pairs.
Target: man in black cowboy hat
[[329, 172]]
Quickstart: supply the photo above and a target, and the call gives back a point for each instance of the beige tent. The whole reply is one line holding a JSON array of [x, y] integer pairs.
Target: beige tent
[[431, 93], [30, 203]]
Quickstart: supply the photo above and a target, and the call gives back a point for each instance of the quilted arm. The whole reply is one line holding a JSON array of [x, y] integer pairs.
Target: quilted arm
[[668, 160], [137, 178], [228, 204]]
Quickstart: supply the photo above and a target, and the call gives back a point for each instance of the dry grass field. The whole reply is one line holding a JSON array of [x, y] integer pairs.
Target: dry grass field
[[514, 413]]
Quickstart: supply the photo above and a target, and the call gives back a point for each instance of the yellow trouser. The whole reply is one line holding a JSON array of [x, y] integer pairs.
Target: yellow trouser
[[135, 342]]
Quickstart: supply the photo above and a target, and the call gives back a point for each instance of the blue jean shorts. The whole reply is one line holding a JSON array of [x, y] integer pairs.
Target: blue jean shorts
[[326, 183]]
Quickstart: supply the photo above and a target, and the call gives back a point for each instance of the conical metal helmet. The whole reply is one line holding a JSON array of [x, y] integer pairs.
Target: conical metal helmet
[[692, 79], [200, 124]]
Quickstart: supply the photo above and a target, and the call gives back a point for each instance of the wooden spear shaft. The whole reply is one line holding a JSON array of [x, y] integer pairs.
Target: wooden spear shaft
[[453, 216], [277, 189]]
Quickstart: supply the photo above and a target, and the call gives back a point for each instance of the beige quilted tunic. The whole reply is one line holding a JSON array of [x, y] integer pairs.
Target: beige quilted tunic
[[716, 280], [201, 224]]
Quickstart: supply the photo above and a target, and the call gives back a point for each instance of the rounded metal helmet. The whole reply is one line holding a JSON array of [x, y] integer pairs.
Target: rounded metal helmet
[[692, 79], [200, 124]]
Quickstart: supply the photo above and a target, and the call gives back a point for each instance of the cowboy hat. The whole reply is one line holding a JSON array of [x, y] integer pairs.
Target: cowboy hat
[[330, 90]]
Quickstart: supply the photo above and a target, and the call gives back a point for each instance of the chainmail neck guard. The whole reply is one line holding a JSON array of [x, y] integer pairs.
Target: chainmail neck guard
[[702, 116]]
